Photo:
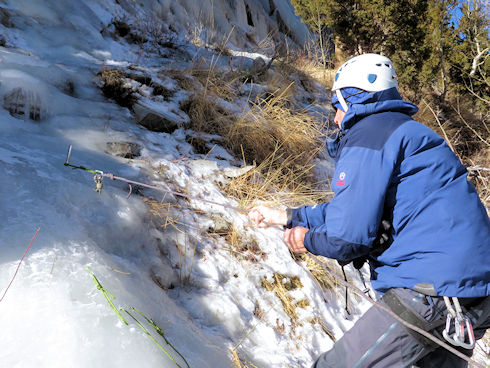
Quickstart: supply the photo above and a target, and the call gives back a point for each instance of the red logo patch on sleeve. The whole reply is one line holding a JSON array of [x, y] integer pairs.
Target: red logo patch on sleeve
[[341, 180]]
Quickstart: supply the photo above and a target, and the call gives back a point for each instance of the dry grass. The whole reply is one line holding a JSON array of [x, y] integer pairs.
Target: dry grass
[[467, 132], [238, 362], [308, 64], [281, 285], [241, 247], [308, 70], [281, 141], [206, 77], [277, 181], [479, 175], [206, 116], [271, 125], [317, 321], [114, 86], [163, 215], [319, 273]]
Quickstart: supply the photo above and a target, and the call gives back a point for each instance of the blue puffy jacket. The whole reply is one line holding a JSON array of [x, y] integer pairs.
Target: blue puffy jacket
[[392, 166]]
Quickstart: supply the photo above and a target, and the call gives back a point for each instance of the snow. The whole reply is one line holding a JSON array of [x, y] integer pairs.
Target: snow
[[53, 307], [191, 283]]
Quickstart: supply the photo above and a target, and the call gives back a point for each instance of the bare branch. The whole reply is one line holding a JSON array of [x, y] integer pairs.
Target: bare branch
[[477, 58]]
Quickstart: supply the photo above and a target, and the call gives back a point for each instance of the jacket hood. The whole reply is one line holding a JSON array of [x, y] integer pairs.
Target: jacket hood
[[376, 102]]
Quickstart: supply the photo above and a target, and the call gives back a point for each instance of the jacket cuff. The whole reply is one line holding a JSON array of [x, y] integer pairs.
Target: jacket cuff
[[307, 242], [289, 213], [294, 218]]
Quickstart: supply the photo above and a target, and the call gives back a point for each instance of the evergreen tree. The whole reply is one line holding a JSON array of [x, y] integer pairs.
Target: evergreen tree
[[471, 60], [440, 42], [430, 54], [394, 29]]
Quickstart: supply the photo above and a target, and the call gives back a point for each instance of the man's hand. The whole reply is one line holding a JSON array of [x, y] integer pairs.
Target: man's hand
[[295, 239], [265, 216]]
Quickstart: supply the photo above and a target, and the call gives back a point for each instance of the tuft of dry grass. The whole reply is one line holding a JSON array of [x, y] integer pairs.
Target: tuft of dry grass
[[278, 181], [283, 143], [319, 273], [271, 125], [206, 116], [258, 311], [114, 86], [317, 321], [281, 284], [163, 215], [238, 362], [241, 247]]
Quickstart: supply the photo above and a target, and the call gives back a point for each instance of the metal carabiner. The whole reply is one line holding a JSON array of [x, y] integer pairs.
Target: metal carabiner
[[446, 333], [465, 323], [98, 182]]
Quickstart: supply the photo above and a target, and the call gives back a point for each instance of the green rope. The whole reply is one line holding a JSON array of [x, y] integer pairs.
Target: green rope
[[82, 168], [151, 337], [161, 333], [108, 296]]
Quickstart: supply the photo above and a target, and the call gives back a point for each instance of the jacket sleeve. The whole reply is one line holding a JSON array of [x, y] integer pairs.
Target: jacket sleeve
[[307, 216], [351, 219]]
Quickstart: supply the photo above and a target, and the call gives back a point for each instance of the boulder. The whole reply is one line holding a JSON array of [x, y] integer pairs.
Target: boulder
[[157, 120], [158, 123], [123, 149]]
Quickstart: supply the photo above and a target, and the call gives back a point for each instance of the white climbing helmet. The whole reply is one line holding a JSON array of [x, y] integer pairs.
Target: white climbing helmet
[[369, 72]]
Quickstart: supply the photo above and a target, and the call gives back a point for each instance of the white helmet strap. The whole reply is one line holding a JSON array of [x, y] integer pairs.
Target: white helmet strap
[[341, 99]]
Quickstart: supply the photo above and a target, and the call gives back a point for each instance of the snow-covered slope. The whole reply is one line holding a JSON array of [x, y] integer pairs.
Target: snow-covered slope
[[207, 300]]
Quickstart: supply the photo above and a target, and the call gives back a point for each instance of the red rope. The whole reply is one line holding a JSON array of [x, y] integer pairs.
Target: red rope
[[18, 266]]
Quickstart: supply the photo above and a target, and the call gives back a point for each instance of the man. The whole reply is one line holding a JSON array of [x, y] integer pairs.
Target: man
[[392, 168]]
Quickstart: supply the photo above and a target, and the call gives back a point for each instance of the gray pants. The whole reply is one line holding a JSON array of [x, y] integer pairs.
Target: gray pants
[[377, 340]]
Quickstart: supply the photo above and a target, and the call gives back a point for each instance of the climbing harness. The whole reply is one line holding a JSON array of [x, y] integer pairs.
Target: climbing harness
[[461, 324], [408, 325]]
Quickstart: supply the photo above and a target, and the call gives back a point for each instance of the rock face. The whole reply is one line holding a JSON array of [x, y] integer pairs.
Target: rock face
[[244, 23], [24, 104]]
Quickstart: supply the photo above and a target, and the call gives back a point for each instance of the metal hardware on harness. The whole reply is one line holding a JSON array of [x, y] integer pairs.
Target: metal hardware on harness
[[393, 314], [461, 325], [98, 182]]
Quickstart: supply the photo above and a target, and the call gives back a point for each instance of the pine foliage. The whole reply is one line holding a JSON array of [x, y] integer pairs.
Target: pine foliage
[[422, 37]]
